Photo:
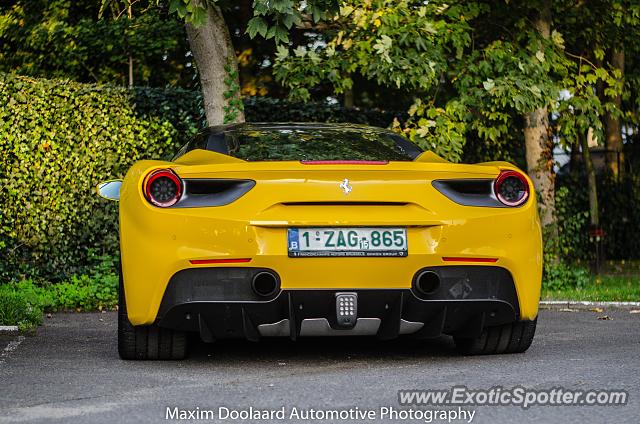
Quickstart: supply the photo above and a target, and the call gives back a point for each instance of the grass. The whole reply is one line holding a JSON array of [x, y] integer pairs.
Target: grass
[[17, 309], [23, 303], [621, 288]]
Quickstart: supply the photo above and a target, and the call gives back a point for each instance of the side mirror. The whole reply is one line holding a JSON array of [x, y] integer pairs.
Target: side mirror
[[110, 190]]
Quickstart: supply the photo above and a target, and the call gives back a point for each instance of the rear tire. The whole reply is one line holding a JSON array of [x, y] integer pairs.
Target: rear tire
[[147, 341], [508, 338]]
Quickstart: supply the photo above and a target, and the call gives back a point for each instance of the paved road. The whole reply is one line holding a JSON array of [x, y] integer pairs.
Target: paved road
[[69, 372]]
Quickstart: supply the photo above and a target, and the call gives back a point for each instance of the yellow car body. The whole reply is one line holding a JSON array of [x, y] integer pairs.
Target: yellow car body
[[158, 243]]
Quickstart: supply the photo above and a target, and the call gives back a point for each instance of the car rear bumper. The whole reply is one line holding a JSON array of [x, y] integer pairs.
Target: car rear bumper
[[220, 303]]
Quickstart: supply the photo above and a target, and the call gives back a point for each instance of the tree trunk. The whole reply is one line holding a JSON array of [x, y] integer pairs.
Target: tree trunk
[[130, 71], [539, 145], [574, 158], [539, 152], [613, 128], [594, 213], [213, 51], [348, 98], [130, 16]]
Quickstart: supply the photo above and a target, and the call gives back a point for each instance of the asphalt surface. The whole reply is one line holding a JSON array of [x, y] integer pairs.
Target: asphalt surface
[[69, 371]]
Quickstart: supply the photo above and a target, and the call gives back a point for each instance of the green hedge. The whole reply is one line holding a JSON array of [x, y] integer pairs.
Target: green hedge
[[58, 139]]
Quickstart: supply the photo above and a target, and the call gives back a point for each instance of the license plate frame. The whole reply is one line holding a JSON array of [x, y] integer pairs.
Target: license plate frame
[[347, 242]]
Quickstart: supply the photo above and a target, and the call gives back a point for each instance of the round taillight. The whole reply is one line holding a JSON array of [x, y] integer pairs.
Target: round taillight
[[163, 188], [511, 188]]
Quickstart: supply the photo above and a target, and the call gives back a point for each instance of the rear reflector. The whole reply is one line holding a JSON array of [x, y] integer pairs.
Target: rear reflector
[[219, 261], [344, 162], [457, 259]]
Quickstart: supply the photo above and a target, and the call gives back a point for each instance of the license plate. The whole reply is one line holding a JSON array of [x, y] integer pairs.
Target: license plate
[[314, 242]]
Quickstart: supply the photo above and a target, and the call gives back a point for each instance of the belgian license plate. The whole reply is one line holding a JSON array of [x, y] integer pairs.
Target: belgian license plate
[[366, 242]]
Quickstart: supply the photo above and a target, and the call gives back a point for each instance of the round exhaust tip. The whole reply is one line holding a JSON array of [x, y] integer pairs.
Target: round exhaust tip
[[427, 282], [264, 284]]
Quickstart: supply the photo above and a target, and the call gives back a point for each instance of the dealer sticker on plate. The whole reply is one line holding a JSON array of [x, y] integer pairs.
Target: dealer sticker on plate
[[314, 242]]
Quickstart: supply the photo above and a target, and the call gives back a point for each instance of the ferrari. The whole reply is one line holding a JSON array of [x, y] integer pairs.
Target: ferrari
[[294, 230]]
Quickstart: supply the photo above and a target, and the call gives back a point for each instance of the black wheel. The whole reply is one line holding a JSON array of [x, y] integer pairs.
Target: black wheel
[[509, 338], [147, 341]]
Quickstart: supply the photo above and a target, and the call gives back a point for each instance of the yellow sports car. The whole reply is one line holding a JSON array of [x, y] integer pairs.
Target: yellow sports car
[[294, 230]]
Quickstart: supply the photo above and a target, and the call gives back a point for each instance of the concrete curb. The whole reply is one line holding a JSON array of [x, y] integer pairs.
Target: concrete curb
[[8, 328], [575, 304]]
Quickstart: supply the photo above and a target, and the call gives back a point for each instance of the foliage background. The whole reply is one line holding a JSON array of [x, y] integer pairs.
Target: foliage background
[[65, 39]]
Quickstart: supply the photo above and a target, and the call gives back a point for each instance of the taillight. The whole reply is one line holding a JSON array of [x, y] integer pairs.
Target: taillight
[[511, 188], [163, 188]]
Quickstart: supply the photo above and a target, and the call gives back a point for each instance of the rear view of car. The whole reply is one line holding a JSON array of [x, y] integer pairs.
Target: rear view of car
[[295, 230]]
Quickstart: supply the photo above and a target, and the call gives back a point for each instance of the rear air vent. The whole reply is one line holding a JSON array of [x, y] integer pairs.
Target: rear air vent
[[469, 192], [203, 192]]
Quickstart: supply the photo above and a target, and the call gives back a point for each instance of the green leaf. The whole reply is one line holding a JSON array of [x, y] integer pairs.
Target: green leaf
[[178, 7], [281, 34], [536, 91], [282, 52], [198, 16], [300, 51], [557, 39], [598, 53], [257, 25]]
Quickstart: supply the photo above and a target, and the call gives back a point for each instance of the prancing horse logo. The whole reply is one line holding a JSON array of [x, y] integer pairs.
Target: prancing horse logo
[[346, 187]]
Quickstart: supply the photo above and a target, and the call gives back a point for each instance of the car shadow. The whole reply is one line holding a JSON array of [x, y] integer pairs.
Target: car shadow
[[320, 349]]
